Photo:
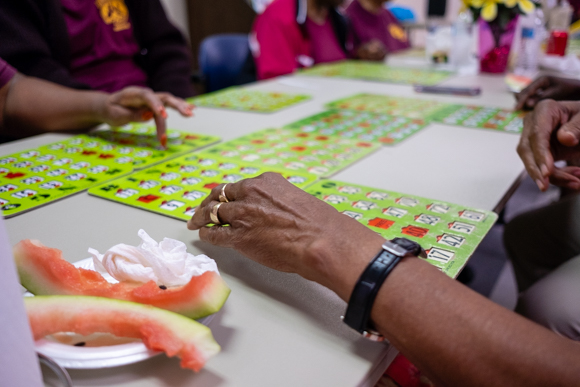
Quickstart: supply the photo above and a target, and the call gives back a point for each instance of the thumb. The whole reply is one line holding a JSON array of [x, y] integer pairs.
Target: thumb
[[569, 133]]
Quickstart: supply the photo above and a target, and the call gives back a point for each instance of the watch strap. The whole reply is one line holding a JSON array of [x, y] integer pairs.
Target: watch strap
[[363, 296]]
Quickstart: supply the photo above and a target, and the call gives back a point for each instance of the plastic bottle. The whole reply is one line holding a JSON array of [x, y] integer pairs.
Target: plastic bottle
[[532, 35], [560, 17], [462, 40]]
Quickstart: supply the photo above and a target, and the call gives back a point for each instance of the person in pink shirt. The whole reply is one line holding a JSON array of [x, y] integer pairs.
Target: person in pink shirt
[[374, 25], [291, 34]]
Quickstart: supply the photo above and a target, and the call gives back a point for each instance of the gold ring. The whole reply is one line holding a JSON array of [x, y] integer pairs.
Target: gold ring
[[214, 214], [223, 198]]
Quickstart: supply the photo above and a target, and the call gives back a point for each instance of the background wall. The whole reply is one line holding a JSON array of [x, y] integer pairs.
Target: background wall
[[177, 12]]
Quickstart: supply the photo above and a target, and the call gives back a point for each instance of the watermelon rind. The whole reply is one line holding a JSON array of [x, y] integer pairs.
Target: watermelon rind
[[161, 330]]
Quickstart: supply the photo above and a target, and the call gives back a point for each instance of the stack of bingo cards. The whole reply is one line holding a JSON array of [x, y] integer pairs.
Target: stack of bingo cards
[[449, 233]]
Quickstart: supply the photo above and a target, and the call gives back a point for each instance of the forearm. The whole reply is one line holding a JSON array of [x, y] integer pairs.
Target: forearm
[[458, 337], [33, 106]]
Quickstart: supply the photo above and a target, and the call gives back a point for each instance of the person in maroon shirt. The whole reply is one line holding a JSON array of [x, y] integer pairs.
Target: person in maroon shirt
[[102, 45], [30, 106], [374, 25]]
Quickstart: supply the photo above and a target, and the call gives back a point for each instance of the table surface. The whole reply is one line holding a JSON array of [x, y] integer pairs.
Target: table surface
[[278, 329]]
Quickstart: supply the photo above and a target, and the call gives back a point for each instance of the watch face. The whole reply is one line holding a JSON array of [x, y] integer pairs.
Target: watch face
[[412, 247]]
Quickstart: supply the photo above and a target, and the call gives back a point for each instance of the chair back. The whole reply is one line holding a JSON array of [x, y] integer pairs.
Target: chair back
[[222, 59]]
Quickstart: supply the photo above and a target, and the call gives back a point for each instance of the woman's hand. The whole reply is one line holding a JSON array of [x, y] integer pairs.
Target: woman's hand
[[138, 104], [552, 133], [282, 227]]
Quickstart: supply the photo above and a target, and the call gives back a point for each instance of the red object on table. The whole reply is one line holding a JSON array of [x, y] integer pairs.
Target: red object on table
[[557, 43]]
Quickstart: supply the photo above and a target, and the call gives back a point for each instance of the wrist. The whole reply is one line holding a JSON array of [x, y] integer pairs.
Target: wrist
[[338, 261], [98, 109]]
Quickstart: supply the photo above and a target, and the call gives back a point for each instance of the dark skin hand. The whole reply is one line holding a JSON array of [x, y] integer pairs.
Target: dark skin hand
[[552, 133], [33, 106], [547, 87], [374, 50], [454, 335]]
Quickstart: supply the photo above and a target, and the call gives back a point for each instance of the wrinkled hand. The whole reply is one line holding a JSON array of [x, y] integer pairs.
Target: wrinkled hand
[[552, 133], [138, 104], [373, 50], [547, 87], [282, 227]]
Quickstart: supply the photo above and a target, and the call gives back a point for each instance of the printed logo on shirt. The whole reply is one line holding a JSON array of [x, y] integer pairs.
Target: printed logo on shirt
[[397, 32], [114, 12]]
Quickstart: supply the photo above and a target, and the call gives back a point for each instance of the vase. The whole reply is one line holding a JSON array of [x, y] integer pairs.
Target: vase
[[495, 43]]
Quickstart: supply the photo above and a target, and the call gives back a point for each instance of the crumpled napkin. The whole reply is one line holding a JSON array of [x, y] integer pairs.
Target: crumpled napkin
[[569, 64], [167, 263]]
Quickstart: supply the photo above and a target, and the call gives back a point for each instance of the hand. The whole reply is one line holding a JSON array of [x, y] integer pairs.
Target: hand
[[372, 50], [551, 133], [282, 227], [547, 87], [137, 104]]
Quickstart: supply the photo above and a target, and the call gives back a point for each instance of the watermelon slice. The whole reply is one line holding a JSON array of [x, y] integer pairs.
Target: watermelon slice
[[159, 329], [43, 271]]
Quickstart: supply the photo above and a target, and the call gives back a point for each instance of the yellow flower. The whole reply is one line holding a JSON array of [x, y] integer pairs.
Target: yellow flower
[[488, 7], [525, 5]]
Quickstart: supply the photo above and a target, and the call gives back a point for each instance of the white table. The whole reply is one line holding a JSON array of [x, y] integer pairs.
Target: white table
[[278, 329]]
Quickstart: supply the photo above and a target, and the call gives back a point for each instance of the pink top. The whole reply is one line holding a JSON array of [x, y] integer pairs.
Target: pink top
[[102, 44], [325, 45], [383, 26], [7, 72]]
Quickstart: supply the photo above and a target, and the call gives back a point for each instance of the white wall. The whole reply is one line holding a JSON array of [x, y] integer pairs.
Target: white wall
[[177, 13]]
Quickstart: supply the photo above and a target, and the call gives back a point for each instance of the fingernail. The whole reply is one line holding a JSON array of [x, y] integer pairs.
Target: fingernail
[[163, 112], [164, 140], [147, 115], [544, 170], [540, 184]]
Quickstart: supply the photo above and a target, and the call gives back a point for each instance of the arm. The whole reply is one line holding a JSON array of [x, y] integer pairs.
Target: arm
[[26, 30], [454, 335], [32, 106], [547, 87], [165, 54]]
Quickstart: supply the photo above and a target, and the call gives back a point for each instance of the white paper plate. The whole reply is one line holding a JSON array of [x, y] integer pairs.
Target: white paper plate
[[94, 354]]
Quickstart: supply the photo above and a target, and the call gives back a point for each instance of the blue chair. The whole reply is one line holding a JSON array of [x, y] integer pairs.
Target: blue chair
[[225, 60], [403, 14]]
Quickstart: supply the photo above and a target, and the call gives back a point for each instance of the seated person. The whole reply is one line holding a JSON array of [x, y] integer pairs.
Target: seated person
[[547, 87], [29, 106], [101, 45], [291, 34], [372, 23], [455, 336]]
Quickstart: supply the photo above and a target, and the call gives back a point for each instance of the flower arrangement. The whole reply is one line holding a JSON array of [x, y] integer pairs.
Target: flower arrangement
[[499, 12]]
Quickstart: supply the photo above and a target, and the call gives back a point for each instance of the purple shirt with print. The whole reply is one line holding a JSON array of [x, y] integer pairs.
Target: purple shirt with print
[[7, 72], [102, 44], [382, 26], [324, 44]]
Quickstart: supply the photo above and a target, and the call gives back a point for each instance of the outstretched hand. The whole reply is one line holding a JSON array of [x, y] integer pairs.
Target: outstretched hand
[[137, 104], [282, 227], [547, 87], [552, 133]]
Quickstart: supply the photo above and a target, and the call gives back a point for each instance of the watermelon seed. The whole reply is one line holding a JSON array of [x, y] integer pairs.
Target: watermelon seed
[[162, 287], [80, 344]]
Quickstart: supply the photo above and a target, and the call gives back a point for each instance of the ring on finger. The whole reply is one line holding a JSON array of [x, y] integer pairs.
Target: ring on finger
[[222, 197], [213, 215]]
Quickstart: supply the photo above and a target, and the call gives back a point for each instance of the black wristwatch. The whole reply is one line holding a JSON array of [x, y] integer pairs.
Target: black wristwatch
[[363, 296]]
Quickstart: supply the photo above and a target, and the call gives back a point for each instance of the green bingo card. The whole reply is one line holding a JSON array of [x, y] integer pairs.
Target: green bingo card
[[364, 126], [396, 106], [377, 72], [484, 117], [449, 233], [139, 143], [175, 188], [248, 100], [38, 176], [293, 150]]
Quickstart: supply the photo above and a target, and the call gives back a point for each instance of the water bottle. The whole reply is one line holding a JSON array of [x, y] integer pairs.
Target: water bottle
[[531, 36], [462, 40]]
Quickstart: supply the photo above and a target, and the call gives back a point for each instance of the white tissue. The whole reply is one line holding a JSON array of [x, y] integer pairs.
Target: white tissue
[[167, 263]]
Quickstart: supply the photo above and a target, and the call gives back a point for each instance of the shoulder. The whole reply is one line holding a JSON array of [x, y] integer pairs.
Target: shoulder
[[279, 11]]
